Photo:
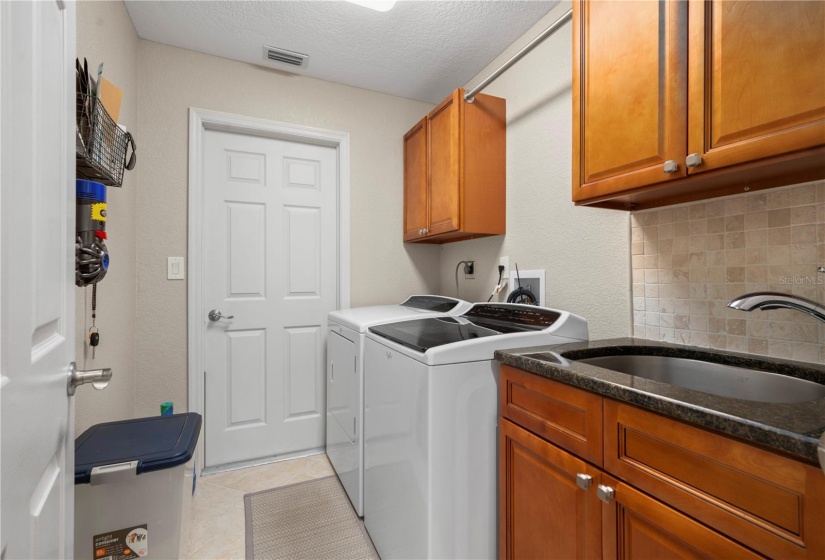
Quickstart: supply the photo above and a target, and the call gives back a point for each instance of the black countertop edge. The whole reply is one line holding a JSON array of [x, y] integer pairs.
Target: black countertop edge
[[789, 428]]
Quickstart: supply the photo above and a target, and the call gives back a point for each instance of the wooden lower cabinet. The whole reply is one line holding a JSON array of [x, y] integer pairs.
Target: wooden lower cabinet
[[544, 513], [665, 489], [638, 526]]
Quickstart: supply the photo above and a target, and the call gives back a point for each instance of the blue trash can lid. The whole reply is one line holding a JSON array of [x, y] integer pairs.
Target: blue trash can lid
[[157, 443], [90, 190]]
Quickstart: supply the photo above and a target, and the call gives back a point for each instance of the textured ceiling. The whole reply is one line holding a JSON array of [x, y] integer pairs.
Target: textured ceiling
[[419, 49]]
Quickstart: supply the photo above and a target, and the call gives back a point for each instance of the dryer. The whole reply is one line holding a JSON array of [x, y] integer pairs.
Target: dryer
[[345, 379], [430, 426]]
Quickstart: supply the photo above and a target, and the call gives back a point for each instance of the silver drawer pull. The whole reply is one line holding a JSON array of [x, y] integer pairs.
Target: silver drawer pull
[[605, 493], [693, 160]]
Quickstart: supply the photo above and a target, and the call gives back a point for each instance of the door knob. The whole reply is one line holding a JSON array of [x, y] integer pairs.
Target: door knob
[[99, 378], [215, 315], [671, 166]]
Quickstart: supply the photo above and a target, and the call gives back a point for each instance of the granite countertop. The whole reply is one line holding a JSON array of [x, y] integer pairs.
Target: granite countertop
[[791, 428]]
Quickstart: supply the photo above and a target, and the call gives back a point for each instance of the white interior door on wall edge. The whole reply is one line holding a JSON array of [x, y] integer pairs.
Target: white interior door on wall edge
[[270, 268], [37, 309]]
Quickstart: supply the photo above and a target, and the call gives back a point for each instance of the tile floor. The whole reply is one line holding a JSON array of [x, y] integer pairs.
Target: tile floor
[[217, 518]]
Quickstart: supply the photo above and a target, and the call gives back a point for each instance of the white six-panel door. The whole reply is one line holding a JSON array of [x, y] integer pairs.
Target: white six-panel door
[[37, 44], [269, 262]]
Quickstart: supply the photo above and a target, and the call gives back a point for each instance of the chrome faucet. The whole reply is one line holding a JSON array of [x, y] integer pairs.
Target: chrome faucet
[[774, 300]]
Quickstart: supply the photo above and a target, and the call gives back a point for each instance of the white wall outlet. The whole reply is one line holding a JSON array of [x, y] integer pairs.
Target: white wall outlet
[[505, 262], [174, 268], [470, 270]]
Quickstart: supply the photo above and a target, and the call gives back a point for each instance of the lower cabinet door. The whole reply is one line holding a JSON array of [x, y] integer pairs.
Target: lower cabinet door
[[547, 499], [638, 526]]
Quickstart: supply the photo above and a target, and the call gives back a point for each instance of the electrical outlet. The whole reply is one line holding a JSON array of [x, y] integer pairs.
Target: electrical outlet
[[469, 269], [505, 262]]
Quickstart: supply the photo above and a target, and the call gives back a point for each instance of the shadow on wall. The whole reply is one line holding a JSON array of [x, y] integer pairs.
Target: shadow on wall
[[485, 252], [425, 262], [540, 103]]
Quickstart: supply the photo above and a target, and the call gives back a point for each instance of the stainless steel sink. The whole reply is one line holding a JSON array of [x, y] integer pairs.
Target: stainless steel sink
[[717, 379]]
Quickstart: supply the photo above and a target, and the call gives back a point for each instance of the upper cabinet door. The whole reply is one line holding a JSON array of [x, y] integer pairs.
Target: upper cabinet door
[[443, 151], [629, 95], [415, 181], [757, 80]]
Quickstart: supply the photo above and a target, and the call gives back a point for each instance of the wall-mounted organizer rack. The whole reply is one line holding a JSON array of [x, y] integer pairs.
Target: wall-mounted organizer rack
[[102, 145]]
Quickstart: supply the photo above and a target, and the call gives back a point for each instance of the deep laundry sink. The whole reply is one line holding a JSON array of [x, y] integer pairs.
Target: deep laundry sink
[[717, 379]]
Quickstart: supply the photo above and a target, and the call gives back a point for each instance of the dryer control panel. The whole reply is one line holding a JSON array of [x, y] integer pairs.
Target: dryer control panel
[[522, 315]]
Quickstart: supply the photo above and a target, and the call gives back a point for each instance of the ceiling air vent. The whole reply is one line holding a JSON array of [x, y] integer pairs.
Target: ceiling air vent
[[284, 56]]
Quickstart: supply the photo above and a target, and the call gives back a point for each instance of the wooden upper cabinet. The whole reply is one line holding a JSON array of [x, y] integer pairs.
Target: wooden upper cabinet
[[681, 101], [629, 95], [415, 180], [757, 80], [455, 188], [444, 159]]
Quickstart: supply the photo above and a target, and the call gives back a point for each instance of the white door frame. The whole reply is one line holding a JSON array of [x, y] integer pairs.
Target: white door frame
[[201, 120]]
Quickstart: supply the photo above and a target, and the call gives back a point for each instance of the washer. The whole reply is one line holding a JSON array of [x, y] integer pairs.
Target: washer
[[430, 426], [345, 380]]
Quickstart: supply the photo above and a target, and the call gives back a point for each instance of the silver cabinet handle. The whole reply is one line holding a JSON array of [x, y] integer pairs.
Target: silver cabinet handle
[[584, 480], [215, 315], [605, 493], [671, 166], [99, 378], [693, 160]]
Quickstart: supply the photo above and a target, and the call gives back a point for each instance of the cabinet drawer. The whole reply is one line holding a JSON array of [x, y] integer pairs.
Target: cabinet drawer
[[569, 417], [770, 503]]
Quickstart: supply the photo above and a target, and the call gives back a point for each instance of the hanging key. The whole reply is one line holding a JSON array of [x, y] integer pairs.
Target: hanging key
[[94, 340]]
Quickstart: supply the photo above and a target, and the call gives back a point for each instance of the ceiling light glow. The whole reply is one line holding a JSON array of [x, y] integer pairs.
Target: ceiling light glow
[[378, 5]]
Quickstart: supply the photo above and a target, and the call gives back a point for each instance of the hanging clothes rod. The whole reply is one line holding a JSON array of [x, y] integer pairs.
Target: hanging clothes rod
[[470, 95]]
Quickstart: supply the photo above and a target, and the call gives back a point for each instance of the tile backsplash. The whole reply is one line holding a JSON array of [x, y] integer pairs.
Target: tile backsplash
[[689, 261]]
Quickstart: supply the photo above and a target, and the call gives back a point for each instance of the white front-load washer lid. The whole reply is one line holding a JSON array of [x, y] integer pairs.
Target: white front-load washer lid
[[359, 319], [477, 334]]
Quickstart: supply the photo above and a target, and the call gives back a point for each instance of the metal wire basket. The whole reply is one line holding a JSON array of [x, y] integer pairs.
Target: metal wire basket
[[101, 145]]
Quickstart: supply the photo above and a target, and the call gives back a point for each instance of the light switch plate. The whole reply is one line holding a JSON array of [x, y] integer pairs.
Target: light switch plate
[[174, 268]]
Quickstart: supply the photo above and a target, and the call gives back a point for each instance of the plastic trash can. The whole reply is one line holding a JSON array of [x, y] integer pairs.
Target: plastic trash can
[[129, 478]]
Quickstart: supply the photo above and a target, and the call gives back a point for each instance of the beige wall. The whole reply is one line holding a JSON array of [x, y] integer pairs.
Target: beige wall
[[586, 252], [171, 81], [583, 250], [690, 261], [105, 34]]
